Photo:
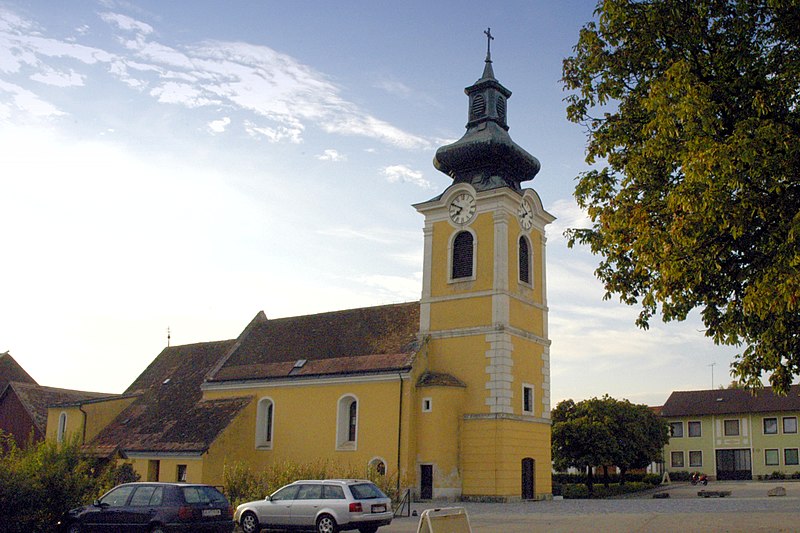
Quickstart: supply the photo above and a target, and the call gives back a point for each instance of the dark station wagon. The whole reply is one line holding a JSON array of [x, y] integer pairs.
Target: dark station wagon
[[153, 508]]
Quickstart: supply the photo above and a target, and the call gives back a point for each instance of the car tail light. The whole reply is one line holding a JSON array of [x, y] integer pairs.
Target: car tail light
[[355, 507], [185, 512]]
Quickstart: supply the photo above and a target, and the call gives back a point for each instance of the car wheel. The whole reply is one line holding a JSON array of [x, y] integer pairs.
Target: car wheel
[[326, 524], [74, 527], [249, 523]]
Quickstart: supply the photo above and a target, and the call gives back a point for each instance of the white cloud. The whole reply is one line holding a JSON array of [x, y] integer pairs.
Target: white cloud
[[404, 174], [27, 102], [57, 78], [219, 126], [331, 155]]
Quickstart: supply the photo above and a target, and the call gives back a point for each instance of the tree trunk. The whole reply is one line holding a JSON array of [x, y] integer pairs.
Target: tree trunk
[[606, 481], [622, 475], [590, 480]]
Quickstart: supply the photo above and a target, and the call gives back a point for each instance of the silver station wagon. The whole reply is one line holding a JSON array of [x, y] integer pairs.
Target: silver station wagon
[[325, 506]]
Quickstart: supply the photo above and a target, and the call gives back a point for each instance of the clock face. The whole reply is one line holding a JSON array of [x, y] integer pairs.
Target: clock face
[[525, 213], [462, 208]]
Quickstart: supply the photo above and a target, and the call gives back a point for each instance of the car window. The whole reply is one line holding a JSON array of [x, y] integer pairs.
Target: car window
[[332, 492], [309, 492], [286, 493], [142, 495], [366, 491], [117, 497], [202, 495], [158, 496]]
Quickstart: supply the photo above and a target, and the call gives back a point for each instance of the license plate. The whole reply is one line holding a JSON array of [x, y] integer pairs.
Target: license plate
[[211, 512], [379, 508]]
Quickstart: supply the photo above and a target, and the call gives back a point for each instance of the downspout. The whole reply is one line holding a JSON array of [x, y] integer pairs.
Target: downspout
[[399, 430], [85, 418]]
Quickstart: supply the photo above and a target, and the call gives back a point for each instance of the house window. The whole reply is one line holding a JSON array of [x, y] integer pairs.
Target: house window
[[676, 429], [62, 427], [180, 475], [463, 255], [694, 428], [731, 428], [427, 405], [696, 458], [676, 459], [527, 399], [771, 457], [790, 424], [770, 426], [265, 415], [524, 260], [790, 456], [347, 423]]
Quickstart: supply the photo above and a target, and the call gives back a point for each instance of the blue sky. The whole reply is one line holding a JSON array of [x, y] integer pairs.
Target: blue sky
[[184, 165]]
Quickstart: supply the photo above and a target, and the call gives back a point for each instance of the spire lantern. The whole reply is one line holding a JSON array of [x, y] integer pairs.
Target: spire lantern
[[486, 156]]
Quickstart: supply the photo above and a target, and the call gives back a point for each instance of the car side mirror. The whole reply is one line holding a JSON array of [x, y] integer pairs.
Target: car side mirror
[[268, 498], [97, 503]]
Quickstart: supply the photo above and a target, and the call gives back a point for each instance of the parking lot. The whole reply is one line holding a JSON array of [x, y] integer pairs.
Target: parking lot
[[748, 508]]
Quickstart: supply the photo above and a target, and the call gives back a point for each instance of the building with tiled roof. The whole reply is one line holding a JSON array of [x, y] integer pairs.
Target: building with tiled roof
[[24, 403], [733, 433], [449, 395]]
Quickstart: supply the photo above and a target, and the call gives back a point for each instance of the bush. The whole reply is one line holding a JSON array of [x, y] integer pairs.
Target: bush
[[777, 475], [243, 484], [576, 491], [46, 479]]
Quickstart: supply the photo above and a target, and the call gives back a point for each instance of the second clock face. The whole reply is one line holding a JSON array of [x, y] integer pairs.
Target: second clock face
[[462, 208], [525, 214]]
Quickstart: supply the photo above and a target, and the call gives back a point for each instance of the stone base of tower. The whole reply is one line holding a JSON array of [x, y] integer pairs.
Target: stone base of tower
[[505, 458]]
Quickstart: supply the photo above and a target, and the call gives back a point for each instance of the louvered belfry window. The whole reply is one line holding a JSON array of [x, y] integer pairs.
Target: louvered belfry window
[[501, 107], [524, 261], [478, 106], [462, 255]]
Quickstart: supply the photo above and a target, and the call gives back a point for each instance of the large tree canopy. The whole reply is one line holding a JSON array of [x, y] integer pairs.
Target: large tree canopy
[[606, 432], [691, 110]]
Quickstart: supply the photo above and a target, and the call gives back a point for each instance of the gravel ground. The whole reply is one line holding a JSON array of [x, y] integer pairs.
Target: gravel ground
[[748, 508]]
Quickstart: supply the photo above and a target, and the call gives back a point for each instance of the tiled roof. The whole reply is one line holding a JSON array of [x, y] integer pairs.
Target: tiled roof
[[170, 415], [11, 371], [371, 339], [440, 379], [37, 399], [730, 401]]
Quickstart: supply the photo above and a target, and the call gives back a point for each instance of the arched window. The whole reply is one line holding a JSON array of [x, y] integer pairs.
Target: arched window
[[463, 254], [347, 423], [378, 466], [264, 423], [524, 260], [62, 427]]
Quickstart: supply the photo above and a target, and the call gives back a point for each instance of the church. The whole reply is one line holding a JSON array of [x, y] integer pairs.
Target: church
[[450, 394]]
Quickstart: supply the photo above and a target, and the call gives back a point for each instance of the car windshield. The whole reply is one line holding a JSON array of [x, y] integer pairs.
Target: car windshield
[[202, 495], [366, 491]]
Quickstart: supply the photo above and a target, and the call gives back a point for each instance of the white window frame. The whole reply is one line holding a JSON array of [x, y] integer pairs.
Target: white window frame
[[672, 432], [62, 427], [264, 438], [672, 457], [427, 404], [764, 425], [783, 425], [689, 425], [777, 457], [473, 277], [343, 442], [695, 464], [525, 388]]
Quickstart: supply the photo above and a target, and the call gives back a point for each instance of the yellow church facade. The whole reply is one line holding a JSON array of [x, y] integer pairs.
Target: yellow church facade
[[449, 394]]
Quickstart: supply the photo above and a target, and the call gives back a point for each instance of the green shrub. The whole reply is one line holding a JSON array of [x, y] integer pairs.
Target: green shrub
[[682, 475], [777, 475], [46, 479], [242, 484]]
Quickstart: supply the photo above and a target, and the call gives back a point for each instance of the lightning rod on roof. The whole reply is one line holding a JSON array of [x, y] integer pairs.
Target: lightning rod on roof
[[168, 336]]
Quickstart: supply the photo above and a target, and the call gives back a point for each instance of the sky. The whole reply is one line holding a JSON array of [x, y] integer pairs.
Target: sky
[[179, 166]]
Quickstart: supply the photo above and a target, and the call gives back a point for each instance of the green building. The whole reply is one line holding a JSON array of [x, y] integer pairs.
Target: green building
[[733, 433]]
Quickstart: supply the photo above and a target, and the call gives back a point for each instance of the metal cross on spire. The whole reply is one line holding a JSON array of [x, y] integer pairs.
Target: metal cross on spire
[[489, 39]]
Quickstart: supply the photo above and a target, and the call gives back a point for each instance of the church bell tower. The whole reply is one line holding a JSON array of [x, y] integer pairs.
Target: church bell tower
[[483, 313]]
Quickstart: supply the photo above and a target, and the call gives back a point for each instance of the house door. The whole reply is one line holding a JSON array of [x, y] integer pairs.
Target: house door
[[425, 482], [528, 470], [734, 464]]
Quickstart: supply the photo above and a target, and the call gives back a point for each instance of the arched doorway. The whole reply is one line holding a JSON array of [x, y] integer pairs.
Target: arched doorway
[[528, 477]]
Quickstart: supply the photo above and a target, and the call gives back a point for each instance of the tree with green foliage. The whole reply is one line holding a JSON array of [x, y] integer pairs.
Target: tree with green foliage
[[692, 110], [605, 431], [41, 482]]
